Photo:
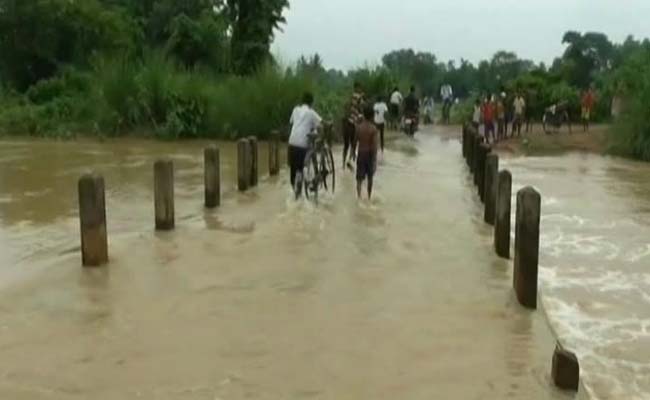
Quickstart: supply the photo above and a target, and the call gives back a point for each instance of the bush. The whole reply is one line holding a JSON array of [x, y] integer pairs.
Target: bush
[[630, 135]]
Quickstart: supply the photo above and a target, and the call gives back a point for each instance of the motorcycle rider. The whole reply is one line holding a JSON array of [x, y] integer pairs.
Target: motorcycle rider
[[412, 110]]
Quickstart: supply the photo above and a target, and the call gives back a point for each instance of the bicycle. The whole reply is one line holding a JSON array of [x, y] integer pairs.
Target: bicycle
[[319, 172]]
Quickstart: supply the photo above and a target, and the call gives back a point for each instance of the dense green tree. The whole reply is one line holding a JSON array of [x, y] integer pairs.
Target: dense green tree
[[253, 23], [37, 37], [586, 55]]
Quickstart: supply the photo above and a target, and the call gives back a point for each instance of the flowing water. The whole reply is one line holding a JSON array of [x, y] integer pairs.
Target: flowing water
[[269, 298]]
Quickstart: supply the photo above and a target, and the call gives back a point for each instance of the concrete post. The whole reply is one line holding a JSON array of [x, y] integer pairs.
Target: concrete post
[[243, 165], [565, 370], [212, 177], [483, 152], [464, 141], [254, 161], [274, 153], [476, 143], [527, 246], [92, 216], [502, 220], [164, 194], [491, 177]]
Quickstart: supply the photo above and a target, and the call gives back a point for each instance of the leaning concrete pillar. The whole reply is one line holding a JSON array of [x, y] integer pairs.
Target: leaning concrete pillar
[[92, 216], [491, 177], [274, 154], [243, 165], [212, 177], [254, 161], [527, 246], [565, 370], [502, 220], [164, 194], [483, 152]]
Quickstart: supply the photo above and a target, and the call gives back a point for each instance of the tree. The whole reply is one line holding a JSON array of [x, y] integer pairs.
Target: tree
[[585, 56], [253, 23], [420, 68], [38, 37]]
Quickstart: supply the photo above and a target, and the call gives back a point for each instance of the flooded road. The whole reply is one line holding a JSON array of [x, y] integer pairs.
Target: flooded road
[[268, 298]]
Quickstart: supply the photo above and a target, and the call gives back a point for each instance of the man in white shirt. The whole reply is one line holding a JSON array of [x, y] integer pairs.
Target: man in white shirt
[[447, 94], [304, 121], [519, 106], [380, 110], [396, 100]]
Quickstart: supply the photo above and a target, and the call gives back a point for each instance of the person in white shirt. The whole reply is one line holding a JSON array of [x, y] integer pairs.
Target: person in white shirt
[[519, 106], [304, 121], [447, 94], [476, 118], [396, 100], [380, 109]]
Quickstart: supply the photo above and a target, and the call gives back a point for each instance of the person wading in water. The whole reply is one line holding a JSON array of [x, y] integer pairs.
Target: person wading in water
[[353, 117], [367, 138]]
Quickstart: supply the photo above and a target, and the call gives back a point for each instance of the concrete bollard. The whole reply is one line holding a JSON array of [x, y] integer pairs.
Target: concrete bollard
[[164, 194], [274, 153], [565, 370], [212, 177], [483, 152], [92, 216], [243, 165], [476, 143], [527, 246], [254, 161], [502, 220], [491, 177], [464, 141]]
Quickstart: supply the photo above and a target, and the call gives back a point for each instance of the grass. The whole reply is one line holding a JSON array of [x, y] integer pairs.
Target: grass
[[122, 95]]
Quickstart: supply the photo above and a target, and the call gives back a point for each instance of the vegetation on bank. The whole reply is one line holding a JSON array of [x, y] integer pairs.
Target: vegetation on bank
[[203, 68]]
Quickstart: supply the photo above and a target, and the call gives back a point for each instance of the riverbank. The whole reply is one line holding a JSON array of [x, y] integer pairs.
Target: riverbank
[[537, 142]]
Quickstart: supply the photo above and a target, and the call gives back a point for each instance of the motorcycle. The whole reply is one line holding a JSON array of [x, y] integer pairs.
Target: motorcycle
[[410, 125], [555, 117]]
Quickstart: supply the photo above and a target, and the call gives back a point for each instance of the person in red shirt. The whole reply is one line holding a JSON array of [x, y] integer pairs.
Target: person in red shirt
[[588, 100], [488, 111]]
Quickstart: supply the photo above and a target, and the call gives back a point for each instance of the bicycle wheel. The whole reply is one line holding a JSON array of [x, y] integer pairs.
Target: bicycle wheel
[[297, 188], [328, 170], [311, 176]]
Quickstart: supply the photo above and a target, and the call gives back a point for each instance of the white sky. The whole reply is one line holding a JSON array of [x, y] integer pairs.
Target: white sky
[[350, 33]]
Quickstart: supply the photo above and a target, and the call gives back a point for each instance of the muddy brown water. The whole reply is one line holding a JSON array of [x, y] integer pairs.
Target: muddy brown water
[[269, 298]]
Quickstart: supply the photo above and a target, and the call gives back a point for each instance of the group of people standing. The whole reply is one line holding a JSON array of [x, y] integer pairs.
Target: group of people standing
[[496, 114]]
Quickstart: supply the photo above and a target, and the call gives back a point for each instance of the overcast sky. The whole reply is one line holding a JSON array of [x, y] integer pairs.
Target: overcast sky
[[349, 33]]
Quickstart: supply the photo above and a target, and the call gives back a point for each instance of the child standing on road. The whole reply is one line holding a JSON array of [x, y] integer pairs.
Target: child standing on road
[[476, 117], [366, 151], [380, 119]]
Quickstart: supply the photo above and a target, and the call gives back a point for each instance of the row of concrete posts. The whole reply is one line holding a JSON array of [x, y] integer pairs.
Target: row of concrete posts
[[495, 192], [92, 201]]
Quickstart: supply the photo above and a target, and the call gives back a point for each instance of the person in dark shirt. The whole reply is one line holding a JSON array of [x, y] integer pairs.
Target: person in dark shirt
[[411, 104], [367, 134]]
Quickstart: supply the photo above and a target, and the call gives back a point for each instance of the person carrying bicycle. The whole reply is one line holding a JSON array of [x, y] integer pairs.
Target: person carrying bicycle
[[304, 121]]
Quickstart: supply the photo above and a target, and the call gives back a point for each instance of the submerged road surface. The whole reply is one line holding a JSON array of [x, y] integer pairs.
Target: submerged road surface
[[265, 298]]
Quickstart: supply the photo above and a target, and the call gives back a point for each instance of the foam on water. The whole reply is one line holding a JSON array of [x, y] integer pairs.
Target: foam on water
[[595, 286]]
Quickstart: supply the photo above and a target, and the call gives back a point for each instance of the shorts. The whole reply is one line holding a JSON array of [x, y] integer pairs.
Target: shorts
[[365, 165], [586, 113]]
